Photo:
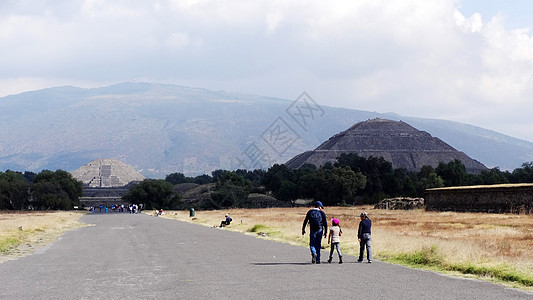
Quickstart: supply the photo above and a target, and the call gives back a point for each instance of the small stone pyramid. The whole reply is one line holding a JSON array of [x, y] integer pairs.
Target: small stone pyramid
[[107, 173], [396, 141]]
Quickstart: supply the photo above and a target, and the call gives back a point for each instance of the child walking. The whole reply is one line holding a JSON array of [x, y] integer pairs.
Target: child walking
[[334, 238]]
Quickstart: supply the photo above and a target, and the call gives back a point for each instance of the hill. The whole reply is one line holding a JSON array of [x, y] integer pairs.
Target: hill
[[160, 129]]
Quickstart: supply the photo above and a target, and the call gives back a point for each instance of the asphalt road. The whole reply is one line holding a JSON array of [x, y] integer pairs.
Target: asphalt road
[[127, 256]]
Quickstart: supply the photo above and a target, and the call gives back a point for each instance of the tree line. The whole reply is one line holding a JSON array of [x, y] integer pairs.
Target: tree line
[[351, 180], [42, 191]]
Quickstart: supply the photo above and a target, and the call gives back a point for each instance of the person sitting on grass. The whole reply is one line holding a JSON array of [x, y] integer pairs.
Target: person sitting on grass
[[225, 222]]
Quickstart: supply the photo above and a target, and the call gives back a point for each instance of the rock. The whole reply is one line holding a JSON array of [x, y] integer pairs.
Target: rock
[[404, 203]]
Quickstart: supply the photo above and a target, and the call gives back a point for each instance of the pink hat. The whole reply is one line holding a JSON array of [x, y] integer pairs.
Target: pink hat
[[335, 221]]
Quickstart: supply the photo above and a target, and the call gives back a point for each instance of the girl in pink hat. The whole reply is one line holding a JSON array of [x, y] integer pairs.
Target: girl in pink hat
[[334, 238]]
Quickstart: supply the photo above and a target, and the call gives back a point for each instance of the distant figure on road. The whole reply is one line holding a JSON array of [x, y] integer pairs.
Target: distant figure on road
[[334, 237], [364, 237], [318, 225], [226, 222]]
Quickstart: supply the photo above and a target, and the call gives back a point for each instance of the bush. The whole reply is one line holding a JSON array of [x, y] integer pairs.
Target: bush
[[258, 228], [427, 257]]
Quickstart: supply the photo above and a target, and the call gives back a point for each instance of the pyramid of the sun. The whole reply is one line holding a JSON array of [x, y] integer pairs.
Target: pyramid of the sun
[[397, 142], [107, 173]]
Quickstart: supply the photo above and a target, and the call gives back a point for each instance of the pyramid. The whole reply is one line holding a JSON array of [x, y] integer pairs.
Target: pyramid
[[396, 141], [107, 173]]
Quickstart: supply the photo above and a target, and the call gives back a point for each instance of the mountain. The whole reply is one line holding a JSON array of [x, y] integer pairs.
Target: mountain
[[160, 129], [396, 141]]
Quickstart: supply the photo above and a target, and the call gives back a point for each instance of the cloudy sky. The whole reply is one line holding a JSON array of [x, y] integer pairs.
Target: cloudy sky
[[463, 60]]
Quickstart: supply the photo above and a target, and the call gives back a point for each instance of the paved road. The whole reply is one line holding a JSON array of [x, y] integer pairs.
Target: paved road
[[127, 256]]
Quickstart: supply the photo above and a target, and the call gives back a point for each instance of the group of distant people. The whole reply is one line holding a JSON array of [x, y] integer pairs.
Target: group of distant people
[[132, 208], [318, 226]]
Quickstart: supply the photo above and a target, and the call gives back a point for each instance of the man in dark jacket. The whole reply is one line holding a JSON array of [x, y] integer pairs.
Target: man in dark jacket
[[318, 225], [364, 237]]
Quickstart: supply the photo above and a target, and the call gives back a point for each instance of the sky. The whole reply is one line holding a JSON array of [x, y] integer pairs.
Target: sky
[[469, 61]]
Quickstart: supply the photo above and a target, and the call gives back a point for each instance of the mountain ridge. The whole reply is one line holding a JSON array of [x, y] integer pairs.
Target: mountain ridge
[[161, 128]]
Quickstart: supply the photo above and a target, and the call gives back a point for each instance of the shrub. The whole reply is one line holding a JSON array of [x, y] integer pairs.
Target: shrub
[[258, 228], [427, 257]]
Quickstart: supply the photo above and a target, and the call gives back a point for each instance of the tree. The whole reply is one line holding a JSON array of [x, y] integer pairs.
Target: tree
[[332, 186], [427, 179], [255, 176], [344, 183], [56, 190], [453, 173], [154, 194], [176, 178], [49, 195], [231, 190], [523, 174], [14, 190], [376, 169], [491, 176], [274, 180], [202, 179], [400, 183]]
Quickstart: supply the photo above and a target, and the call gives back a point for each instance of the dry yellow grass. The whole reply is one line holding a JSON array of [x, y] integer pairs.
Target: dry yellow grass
[[491, 240], [22, 232]]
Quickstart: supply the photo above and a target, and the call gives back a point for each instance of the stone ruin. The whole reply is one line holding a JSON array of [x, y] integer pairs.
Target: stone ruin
[[105, 181], [497, 198], [404, 203], [397, 142], [107, 173]]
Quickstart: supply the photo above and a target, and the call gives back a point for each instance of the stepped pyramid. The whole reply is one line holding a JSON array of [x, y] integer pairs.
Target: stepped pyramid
[[107, 173], [397, 142]]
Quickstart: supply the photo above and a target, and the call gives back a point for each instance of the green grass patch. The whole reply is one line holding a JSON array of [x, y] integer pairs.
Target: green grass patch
[[266, 231], [8, 243], [502, 272], [259, 228], [429, 258]]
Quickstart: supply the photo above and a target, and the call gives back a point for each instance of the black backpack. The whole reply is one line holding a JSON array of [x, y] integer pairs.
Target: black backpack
[[315, 219]]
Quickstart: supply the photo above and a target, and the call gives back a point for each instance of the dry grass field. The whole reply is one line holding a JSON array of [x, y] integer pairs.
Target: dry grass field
[[22, 232], [497, 247]]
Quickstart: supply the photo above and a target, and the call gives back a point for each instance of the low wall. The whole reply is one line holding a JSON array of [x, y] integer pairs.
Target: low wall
[[501, 198], [97, 201]]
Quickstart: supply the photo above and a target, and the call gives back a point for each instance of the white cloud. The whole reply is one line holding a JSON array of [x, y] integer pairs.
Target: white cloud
[[417, 58]]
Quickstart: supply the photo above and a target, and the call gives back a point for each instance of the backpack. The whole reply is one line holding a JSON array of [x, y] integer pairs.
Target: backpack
[[315, 219]]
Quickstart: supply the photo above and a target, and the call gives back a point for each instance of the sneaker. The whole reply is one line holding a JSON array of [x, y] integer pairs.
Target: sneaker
[[317, 262], [359, 261], [369, 261], [313, 260]]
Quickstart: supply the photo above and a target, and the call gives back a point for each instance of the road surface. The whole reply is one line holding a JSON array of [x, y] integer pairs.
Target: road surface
[[123, 256]]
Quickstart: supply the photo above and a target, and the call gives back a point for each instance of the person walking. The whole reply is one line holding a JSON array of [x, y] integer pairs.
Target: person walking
[[364, 238], [318, 226], [334, 237]]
